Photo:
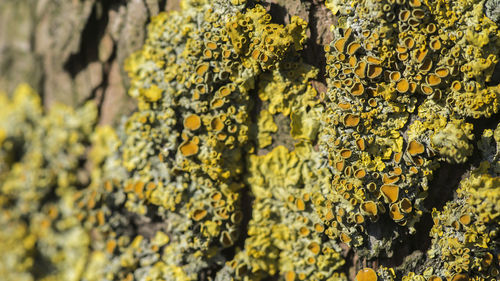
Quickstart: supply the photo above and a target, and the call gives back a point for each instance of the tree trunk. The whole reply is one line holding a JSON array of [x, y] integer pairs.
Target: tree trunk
[[72, 51]]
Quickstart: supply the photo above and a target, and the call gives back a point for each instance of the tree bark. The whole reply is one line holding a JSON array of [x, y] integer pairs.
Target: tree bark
[[72, 51]]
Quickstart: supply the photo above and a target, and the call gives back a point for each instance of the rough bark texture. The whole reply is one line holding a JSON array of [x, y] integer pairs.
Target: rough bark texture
[[72, 51]]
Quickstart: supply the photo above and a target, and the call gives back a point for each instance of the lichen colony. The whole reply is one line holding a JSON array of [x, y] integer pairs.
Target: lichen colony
[[201, 182]]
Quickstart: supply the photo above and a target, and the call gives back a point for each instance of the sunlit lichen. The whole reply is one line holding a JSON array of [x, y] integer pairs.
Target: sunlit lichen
[[230, 136], [403, 77], [464, 232], [285, 233], [181, 155]]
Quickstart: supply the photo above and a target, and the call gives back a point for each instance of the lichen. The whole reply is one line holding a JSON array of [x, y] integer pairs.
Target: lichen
[[40, 155], [266, 127], [180, 157], [465, 230], [285, 234], [489, 145], [404, 77], [493, 10], [463, 234], [196, 184]]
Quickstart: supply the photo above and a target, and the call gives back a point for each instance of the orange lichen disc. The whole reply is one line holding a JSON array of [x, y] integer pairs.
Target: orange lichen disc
[[374, 71], [360, 173], [289, 276], [353, 61], [405, 205], [217, 124], [390, 191], [314, 248], [404, 15], [359, 219], [390, 179], [301, 206], [442, 72], [360, 69], [395, 214], [397, 171], [340, 44], [304, 231], [415, 148], [366, 274], [420, 54], [339, 165], [360, 143], [460, 277], [192, 122], [201, 69], [345, 238], [370, 208], [395, 76], [357, 89], [211, 45], [351, 120], [465, 219], [415, 3], [409, 43], [373, 60], [344, 106], [319, 228], [435, 44], [353, 47], [199, 214], [403, 86], [433, 80], [345, 153], [110, 246], [189, 148], [224, 91]]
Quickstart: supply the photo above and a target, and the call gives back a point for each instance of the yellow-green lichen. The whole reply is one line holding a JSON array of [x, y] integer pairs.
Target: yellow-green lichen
[[266, 128], [41, 153], [180, 157], [285, 233], [464, 232], [230, 136], [403, 77]]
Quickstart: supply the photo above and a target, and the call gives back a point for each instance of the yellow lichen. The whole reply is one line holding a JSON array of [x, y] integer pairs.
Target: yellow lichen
[[415, 71], [167, 192]]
